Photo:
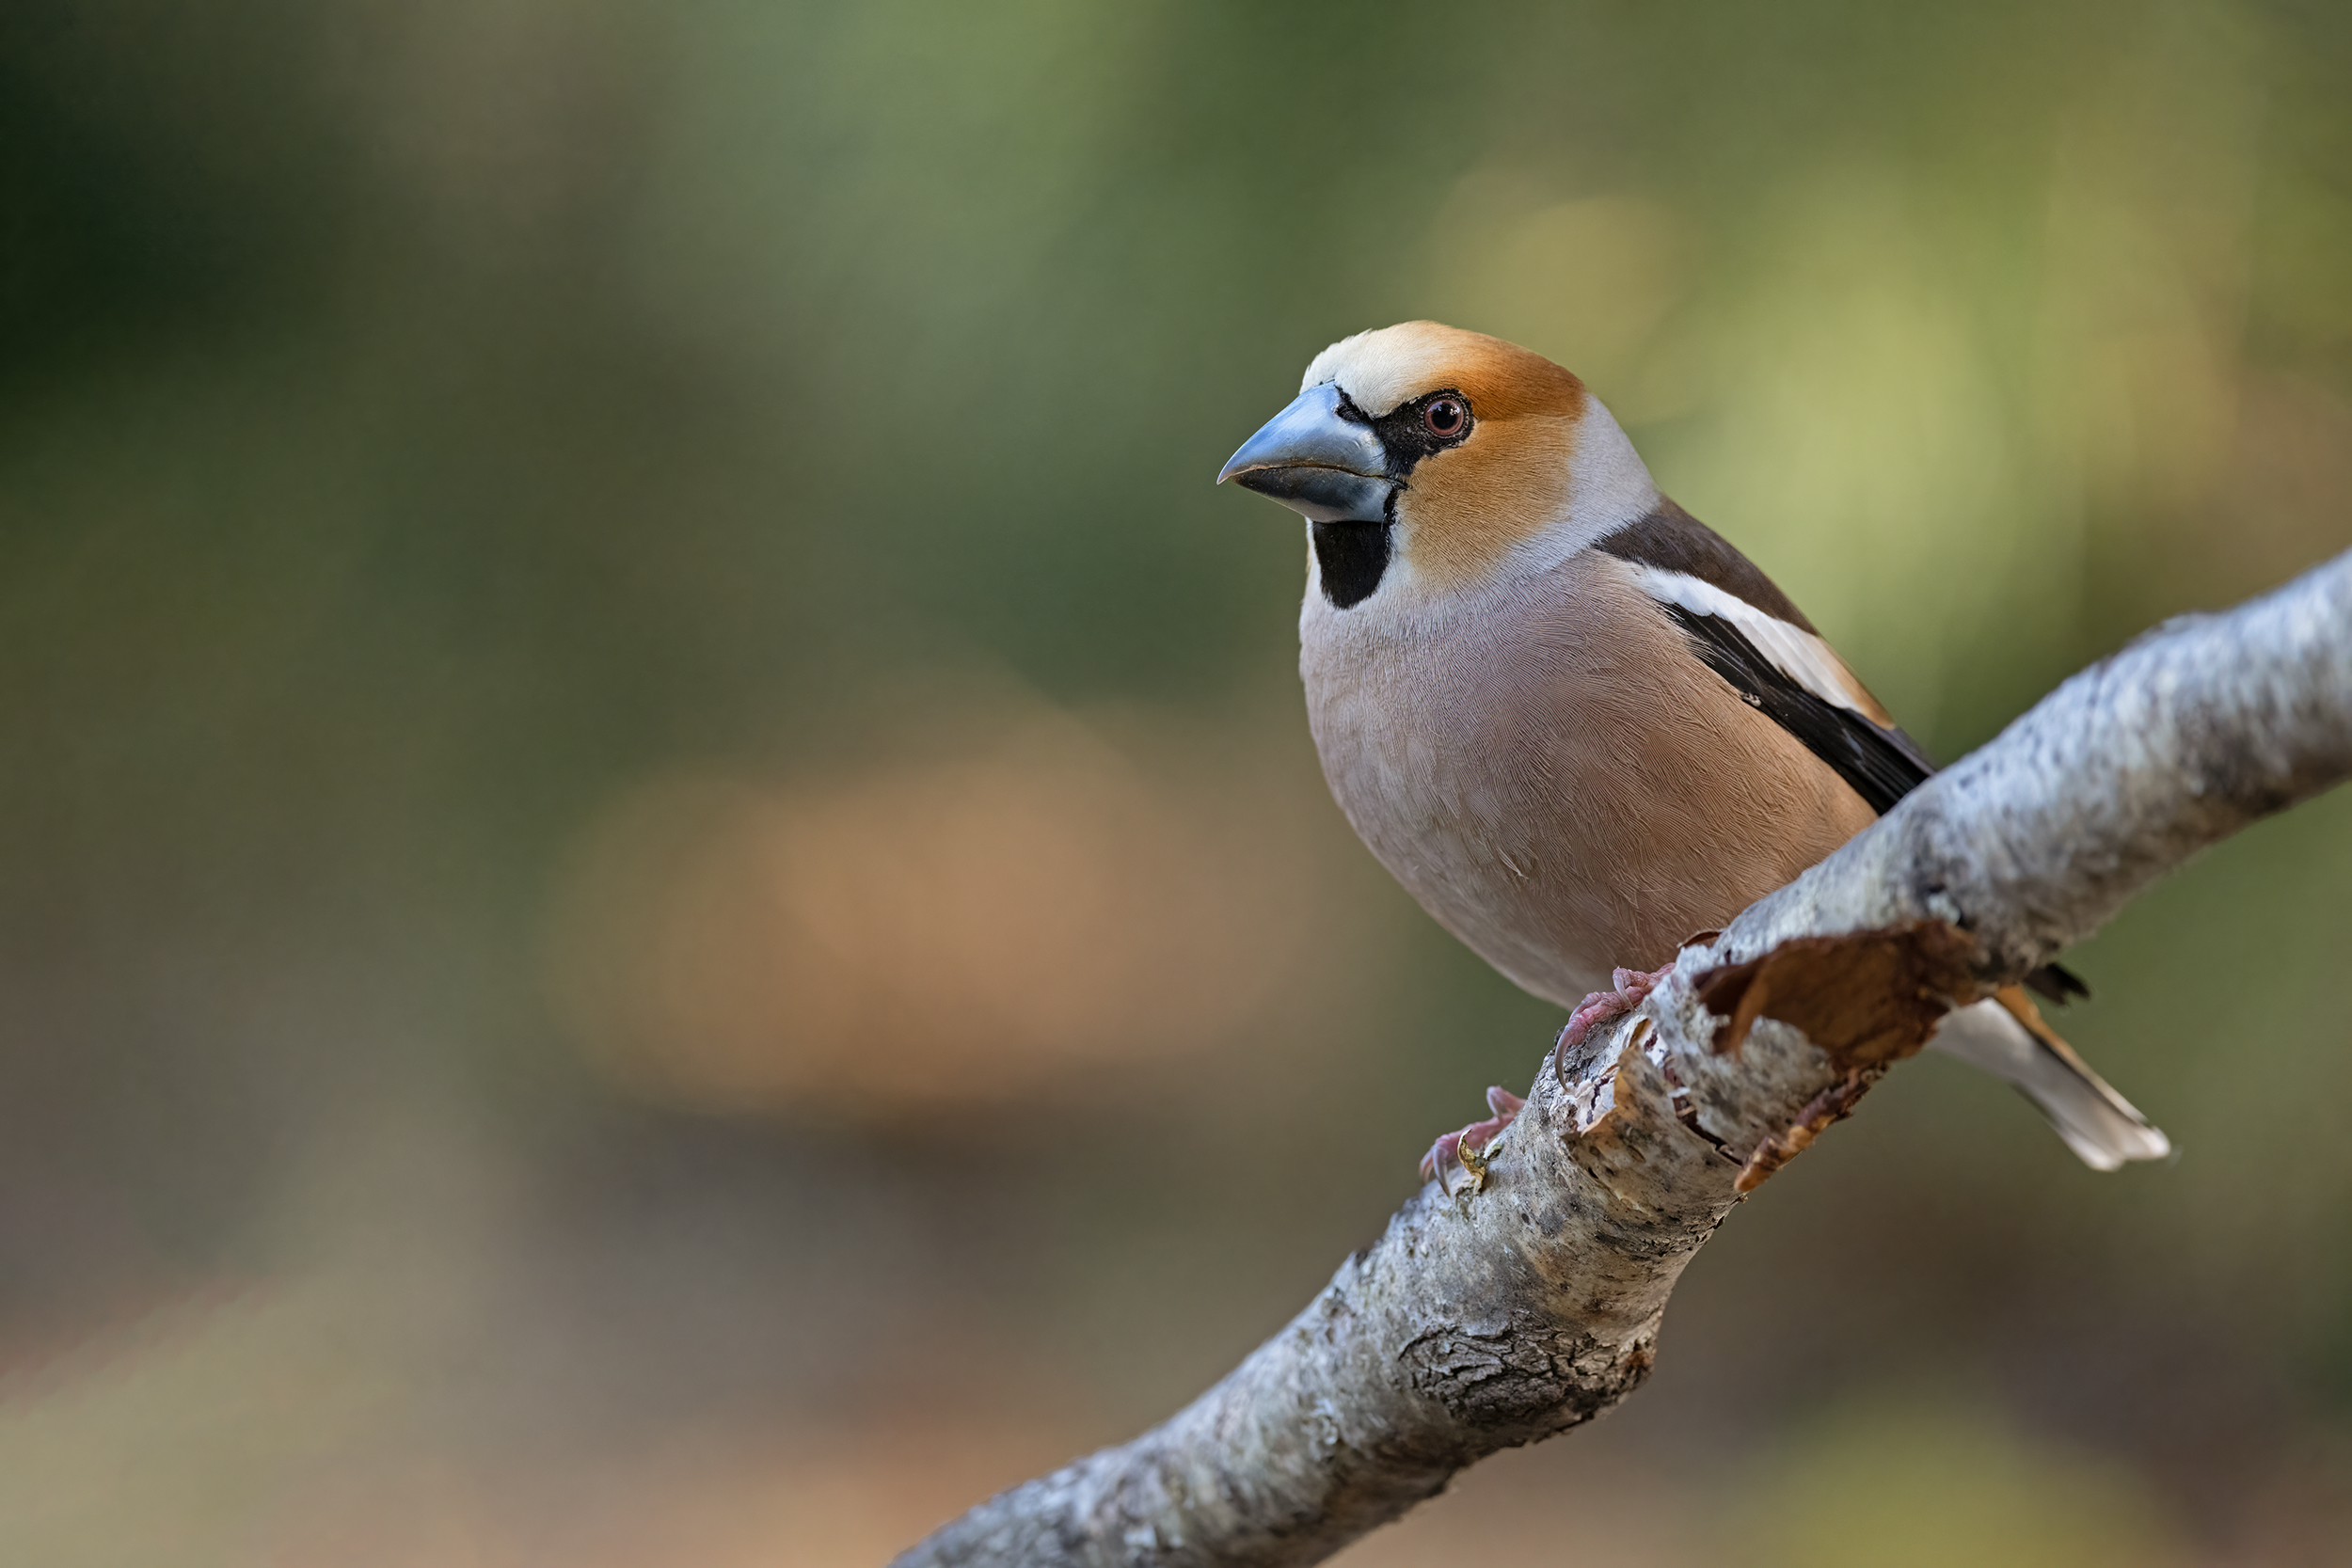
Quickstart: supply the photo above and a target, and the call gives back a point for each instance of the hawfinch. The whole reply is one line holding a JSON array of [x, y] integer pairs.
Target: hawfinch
[[1575, 722]]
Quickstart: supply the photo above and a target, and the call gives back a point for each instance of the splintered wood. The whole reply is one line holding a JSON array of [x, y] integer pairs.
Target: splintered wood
[[1867, 997]]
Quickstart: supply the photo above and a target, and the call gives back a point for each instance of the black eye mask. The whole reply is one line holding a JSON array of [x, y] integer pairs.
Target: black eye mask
[[1351, 558]]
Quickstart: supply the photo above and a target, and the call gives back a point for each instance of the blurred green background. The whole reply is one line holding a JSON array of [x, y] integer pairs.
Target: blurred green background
[[666, 897]]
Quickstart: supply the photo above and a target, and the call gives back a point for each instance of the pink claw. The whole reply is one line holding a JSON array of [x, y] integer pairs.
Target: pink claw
[[1600, 1006], [1447, 1151]]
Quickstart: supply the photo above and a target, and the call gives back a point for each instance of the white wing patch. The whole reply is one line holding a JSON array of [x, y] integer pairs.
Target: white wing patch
[[1795, 653]]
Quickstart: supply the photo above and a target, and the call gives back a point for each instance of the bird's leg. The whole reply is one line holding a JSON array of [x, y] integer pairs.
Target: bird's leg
[[1466, 1146], [1602, 1006]]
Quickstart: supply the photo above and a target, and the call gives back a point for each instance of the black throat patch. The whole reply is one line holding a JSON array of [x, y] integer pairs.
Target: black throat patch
[[1350, 560]]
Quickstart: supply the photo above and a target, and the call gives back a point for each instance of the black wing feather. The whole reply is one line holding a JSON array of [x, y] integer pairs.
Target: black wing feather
[[1881, 763]]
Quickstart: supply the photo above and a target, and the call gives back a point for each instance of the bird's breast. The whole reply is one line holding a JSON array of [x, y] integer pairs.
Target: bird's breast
[[1556, 779]]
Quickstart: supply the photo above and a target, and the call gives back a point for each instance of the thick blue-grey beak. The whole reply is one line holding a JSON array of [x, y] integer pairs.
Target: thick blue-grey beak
[[1326, 469]]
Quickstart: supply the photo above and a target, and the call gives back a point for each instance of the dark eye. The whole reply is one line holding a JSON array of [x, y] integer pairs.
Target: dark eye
[[1445, 417]]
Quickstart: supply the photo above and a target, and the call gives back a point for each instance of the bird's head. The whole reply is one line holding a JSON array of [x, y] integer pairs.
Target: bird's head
[[1429, 460]]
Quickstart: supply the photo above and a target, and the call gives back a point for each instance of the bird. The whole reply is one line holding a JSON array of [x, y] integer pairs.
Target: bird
[[1577, 724]]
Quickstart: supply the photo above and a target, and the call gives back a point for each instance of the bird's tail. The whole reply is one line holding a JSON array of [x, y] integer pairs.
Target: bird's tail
[[2006, 1036]]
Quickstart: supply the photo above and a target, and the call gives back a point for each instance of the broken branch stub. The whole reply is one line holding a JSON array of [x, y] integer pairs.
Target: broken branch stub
[[1484, 1320], [1867, 997]]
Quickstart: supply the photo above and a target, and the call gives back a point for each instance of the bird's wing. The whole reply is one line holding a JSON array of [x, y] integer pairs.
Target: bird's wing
[[1747, 631], [1794, 679]]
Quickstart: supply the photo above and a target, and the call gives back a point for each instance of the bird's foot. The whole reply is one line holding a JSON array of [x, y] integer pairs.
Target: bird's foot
[[1604, 1006], [1467, 1147]]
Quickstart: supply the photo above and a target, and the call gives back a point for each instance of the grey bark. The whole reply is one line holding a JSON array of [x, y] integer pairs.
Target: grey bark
[[1499, 1314]]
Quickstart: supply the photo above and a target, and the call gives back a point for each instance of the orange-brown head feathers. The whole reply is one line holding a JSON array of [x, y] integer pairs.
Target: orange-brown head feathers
[[1381, 368], [1431, 460]]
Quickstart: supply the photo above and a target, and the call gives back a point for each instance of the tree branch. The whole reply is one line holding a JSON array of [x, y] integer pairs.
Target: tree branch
[[1493, 1317]]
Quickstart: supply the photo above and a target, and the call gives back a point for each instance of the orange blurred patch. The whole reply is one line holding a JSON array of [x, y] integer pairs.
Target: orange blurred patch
[[956, 928]]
